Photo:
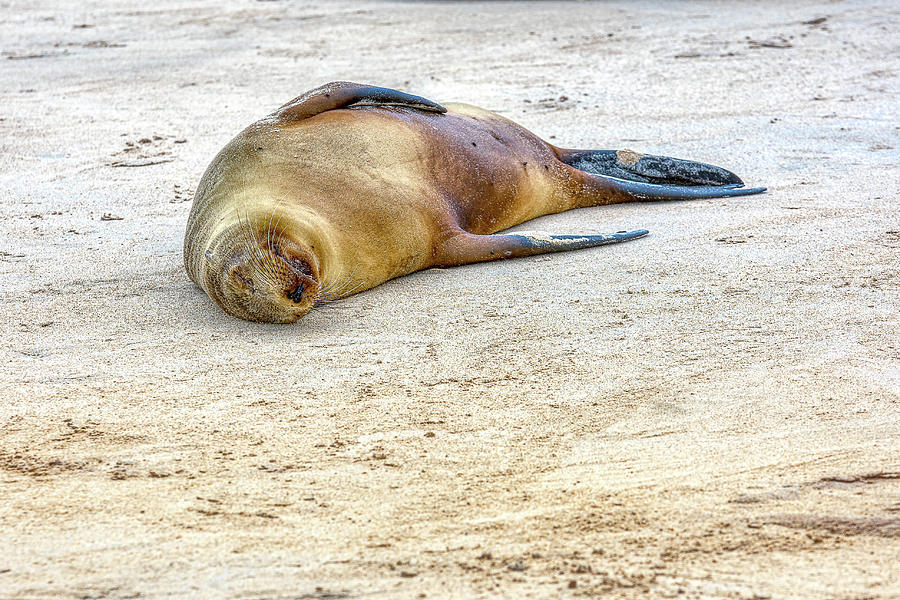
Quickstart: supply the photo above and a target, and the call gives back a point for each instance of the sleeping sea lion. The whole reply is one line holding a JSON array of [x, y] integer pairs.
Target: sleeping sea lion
[[349, 185]]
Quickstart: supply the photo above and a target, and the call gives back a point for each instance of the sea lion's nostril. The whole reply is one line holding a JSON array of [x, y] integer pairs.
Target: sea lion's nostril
[[297, 294]]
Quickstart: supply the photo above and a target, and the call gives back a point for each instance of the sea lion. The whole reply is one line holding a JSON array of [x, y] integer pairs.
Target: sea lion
[[349, 185]]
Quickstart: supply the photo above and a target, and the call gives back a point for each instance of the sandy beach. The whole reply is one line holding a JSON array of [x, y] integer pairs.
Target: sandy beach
[[712, 411]]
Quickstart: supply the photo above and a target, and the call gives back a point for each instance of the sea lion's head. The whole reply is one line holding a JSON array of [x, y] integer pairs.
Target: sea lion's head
[[260, 276]]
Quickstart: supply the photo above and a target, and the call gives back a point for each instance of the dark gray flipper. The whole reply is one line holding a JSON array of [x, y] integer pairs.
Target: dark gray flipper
[[344, 94], [637, 190], [465, 248], [379, 96], [625, 175], [563, 243], [647, 168]]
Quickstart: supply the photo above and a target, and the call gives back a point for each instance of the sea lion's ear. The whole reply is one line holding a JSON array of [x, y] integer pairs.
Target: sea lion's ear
[[343, 94]]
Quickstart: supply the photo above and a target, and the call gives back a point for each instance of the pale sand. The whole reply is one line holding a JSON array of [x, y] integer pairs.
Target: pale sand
[[711, 410]]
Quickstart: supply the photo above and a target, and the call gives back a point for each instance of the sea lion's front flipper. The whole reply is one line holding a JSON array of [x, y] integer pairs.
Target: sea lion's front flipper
[[343, 94], [465, 248], [647, 168]]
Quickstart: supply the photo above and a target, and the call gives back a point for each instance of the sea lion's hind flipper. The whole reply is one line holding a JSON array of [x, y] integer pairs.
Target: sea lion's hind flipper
[[621, 190], [647, 168], [466, 248], [344, 94]]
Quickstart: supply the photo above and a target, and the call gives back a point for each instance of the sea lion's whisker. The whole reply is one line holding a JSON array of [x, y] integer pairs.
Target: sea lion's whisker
[[342, 283], [346, 294], [326, 289], [251, 246], [270, 247], [331, 292], [351, 290], [251, 242], [251, 237], [326, 293], [271, 232], [244, 237], [343, 292], [246, 229], [328, 304], [269, 222]]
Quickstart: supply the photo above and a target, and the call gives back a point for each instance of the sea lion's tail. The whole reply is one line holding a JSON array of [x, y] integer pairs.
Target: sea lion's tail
[[625, 175]]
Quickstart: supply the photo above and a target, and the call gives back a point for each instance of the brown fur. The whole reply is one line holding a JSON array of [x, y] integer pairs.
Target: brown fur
[[353, 195]]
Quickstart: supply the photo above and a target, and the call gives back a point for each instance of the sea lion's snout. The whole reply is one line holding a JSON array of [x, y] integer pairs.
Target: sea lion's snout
[[271, 280]]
